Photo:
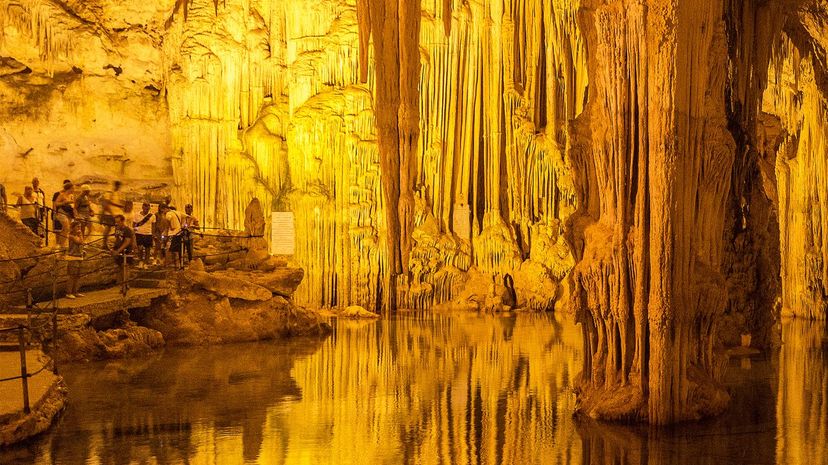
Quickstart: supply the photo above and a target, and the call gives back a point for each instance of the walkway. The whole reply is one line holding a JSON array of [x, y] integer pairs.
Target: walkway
[[98, 303], [11, 392], [47, 396]]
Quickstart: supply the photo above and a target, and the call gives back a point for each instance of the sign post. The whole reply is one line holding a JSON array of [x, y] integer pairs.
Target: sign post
[[282, 234]]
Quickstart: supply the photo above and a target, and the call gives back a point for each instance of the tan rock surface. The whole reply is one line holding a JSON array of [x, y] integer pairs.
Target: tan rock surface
[[281, 281], [416, 141], [228, 286]]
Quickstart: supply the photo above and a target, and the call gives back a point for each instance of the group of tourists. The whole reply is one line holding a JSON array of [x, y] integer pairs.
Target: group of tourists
[[162, 237]]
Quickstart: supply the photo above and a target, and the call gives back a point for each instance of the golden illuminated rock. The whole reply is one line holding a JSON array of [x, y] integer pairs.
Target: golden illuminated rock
[[653, 166]]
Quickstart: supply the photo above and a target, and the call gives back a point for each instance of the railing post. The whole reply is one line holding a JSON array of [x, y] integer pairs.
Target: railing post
[[124, 275], [54, 341], [24, 375], [54, 314], [29, 305], [46, 214]]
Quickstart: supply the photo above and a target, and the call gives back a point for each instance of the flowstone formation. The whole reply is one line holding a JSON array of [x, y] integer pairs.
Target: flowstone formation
[[652, 165], [667, 153], [795, 107]]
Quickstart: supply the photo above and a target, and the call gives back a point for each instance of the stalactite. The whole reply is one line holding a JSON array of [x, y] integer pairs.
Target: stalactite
[[794, 96], [48, 26], [226, 97]]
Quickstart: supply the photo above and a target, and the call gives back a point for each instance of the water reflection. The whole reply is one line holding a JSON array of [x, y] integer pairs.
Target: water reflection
[[464, 389], [802, 409], [778, 415]]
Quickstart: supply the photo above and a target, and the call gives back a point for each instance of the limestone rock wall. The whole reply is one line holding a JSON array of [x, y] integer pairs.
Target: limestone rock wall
[[637, 159], [797, 97], [663, 155], [80, 90], [220, 102]]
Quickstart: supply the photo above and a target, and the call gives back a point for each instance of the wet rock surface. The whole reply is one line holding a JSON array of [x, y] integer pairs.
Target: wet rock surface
[[79, 341]]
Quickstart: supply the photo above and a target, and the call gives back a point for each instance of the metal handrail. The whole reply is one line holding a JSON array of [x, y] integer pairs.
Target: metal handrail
[[24, 374], [21, 329]]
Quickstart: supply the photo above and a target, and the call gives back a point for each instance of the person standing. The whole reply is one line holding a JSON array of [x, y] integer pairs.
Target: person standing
[[65, 212], [190, 224], [144, 223], [174, 233], [159, 234], [74, 258], [27, 204], [56, 226], [122, 249], [83, 209], [111, 206], [40, 199]]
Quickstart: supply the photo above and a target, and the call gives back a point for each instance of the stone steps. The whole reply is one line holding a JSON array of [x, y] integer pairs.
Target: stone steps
[[153, 278], [141, 283]]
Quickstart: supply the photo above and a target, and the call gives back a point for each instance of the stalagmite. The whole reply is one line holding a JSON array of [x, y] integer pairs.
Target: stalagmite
[[653, 166], [656, 172]]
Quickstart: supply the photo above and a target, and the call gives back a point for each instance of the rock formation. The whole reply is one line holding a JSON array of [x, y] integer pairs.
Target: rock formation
[[233, 306], [652, 165]]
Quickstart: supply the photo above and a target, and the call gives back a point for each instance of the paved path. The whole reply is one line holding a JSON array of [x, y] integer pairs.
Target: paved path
[[11, 392], [100, 303]]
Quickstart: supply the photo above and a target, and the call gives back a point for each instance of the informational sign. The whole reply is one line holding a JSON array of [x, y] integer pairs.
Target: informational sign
[[461, 221], [282, 234]]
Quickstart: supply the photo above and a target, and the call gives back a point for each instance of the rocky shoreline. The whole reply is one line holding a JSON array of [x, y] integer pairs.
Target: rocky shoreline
[[19, 426]]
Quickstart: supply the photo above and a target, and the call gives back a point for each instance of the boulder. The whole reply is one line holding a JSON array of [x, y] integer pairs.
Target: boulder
[[280, 281], [258, 260], [355, 311], [194, 319], [228, 286], [255, 225], [535, 288], [130, 341], [82, 343]]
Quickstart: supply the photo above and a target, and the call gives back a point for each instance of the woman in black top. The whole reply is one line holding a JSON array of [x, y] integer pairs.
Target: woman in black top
[[65, 212]]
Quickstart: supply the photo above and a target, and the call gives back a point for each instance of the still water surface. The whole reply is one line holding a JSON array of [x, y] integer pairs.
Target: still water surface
[[433, 389]]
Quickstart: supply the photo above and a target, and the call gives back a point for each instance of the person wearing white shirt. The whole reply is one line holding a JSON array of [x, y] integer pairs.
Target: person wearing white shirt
[[143, 222], [174, 232]]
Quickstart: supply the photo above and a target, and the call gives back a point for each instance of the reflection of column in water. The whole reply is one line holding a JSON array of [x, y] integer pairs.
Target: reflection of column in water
[[447, 390], [802, 405]]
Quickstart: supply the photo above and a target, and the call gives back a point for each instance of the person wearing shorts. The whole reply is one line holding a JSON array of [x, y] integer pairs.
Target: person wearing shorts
[[27, 204], [123, 247], [143, 222], [111, 206], [74, 259], [175, 233], [83, 209], [65, 212]]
